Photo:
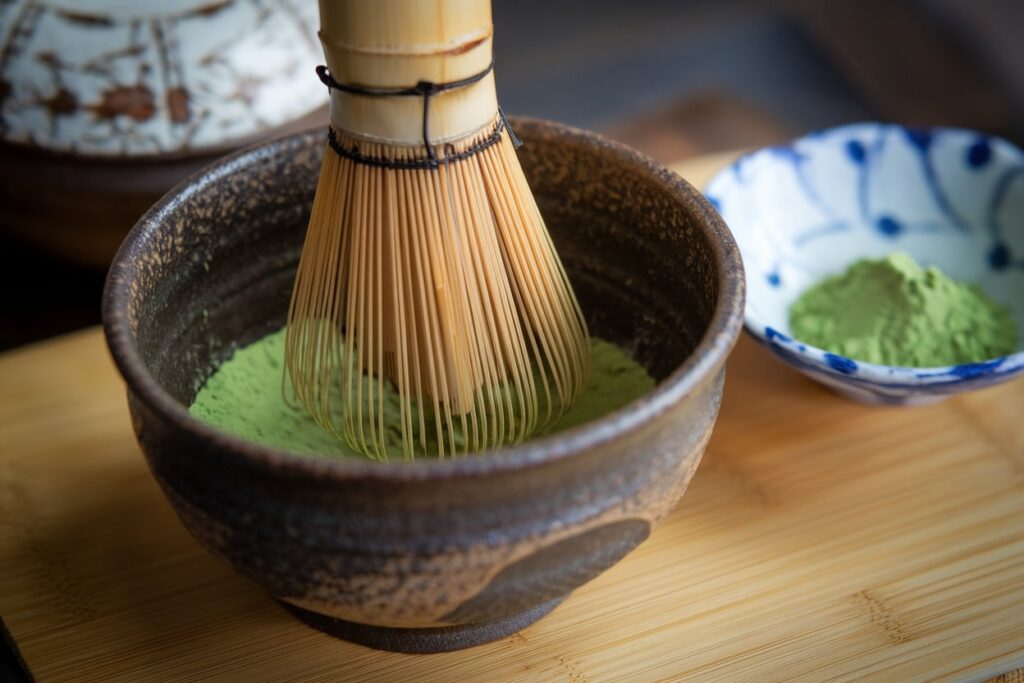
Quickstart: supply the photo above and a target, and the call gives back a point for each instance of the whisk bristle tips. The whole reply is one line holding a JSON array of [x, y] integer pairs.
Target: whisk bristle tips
[[443, 281]]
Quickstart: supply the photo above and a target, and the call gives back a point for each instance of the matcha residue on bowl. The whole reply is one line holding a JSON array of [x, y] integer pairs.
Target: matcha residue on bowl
[[892, 311], [243, 397]]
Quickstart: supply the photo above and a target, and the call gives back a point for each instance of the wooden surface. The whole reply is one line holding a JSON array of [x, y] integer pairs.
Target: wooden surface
[[819, 539], [698, 125]]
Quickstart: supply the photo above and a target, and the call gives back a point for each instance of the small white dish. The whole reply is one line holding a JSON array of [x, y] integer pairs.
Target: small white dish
[[949, 197]]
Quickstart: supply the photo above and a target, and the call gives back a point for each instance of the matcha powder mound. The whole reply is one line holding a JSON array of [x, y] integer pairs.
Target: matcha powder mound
[[244, 397], [894, 312]]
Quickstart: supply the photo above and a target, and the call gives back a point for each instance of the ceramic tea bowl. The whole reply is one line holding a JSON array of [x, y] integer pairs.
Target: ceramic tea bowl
[[429, 555], [949, 197]]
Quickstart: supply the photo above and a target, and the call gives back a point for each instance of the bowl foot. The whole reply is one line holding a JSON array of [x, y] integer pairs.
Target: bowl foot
[[423, 640]]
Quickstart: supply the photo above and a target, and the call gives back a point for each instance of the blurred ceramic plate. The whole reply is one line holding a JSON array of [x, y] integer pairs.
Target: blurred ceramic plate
[[105, 105], [125, 78]]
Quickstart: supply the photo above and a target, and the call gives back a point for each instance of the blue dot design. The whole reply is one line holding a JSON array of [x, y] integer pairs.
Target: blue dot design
[[922, 139], [841, 363], [888, 226], [999, 257], [855, 150], [969, 370], [979, 154]]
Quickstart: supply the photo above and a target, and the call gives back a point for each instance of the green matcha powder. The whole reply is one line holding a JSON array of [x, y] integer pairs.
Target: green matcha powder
[[243, 397], [894, 312]]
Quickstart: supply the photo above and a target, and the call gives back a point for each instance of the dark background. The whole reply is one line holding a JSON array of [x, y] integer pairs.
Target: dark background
[[677, 78]]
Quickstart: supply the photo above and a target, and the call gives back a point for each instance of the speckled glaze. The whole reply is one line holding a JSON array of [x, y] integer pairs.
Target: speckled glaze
[[430, 555]]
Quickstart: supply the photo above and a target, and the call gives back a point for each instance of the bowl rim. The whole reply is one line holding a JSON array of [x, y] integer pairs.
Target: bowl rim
[[809, 357], [698, 368]]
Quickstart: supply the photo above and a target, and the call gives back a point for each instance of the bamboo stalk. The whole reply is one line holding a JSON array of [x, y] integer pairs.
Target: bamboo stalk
[[398, 43]]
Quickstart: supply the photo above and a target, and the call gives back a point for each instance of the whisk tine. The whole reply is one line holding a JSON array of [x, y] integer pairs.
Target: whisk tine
[[443, 282], [426, 262]]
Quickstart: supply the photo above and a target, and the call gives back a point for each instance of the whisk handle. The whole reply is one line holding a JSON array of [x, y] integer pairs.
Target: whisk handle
[[400, 45]]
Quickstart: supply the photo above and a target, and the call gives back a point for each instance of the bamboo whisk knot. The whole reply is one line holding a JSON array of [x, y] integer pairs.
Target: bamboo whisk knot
[[427, 264], [424, 89]]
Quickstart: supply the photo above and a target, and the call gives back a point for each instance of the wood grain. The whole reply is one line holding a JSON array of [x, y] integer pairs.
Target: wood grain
[[819, 540]]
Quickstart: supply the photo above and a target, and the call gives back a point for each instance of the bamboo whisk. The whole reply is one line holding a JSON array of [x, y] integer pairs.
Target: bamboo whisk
[[426, 261]]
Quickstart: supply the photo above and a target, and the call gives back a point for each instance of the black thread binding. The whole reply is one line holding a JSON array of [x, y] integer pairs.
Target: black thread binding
[[430, 162], [426, 90]]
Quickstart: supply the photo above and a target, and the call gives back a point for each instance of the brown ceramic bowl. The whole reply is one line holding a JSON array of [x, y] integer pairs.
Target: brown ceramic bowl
[[430, 555]]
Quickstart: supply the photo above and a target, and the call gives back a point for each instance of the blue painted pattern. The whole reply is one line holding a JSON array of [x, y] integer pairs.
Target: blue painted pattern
[[841, 364], [979, 153], [952, 198]]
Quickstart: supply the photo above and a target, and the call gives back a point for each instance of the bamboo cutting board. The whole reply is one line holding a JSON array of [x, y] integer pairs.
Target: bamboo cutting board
[[819, 540]]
